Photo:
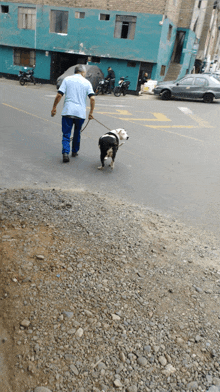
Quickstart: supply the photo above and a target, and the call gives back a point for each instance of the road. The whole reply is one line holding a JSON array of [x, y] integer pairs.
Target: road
[[169, 164]]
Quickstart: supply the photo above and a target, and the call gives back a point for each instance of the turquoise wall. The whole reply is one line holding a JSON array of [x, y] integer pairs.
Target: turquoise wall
[[89, 36], [165, 49], [42, 70], [188, 54]]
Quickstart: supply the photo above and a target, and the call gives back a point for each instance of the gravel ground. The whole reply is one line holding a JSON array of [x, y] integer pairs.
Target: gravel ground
[[98, 295]]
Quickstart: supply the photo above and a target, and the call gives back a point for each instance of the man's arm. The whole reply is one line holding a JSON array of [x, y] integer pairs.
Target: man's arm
[[56, 101], [92, 106]]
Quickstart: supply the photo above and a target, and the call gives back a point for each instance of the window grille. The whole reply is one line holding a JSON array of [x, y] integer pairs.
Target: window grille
[[58, 21], [125, 26], [26, 18], [24, 57]]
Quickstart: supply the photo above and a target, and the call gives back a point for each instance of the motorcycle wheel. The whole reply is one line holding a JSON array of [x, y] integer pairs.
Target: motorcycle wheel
[[117, 91], [22, 82]]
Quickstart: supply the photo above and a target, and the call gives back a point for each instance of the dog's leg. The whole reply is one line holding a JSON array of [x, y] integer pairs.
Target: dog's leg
[[114, 150], [102, 157]]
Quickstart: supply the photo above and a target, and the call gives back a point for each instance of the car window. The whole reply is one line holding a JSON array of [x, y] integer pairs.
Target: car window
[[213, 79], [201, 82], [186, 81]]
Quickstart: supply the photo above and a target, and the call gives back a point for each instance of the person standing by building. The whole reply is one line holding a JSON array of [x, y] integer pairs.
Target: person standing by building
[[111, 78], [76, 89]]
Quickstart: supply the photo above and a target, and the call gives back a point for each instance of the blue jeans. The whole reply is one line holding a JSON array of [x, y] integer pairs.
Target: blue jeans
[[67, 124]]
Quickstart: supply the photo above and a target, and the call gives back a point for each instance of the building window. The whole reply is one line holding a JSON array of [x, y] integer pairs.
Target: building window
[[162, 70], [24, 57], [95, 59], [79, 15], [4, 9], [125, 26], [26, 18], [58, 21], [104, 17], [169, 32], [131, 64]]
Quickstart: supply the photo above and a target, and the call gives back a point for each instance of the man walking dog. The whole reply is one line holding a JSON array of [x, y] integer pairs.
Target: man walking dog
[[76, 89]]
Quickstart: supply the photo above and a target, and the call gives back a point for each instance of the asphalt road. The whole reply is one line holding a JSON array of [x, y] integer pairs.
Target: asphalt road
[[169, 164]]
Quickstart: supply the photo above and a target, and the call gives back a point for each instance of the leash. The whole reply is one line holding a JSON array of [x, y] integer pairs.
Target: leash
[[88, 123]]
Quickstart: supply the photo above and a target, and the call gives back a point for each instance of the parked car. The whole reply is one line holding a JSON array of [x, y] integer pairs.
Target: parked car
[[93, 74], [193, 86]]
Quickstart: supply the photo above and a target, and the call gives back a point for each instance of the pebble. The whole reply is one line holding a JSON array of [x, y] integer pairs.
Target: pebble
[[142, 361], [25, 323]]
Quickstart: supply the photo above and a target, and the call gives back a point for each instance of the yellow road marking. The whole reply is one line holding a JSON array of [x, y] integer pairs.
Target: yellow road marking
[[126, 119], [200, 121], [30, 114], [158, 116]]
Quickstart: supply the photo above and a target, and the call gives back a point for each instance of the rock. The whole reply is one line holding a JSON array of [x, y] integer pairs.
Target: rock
[[115, 317], [74, 369], [79, 332], [132, 388], [214, 389], [118, 383], [25, 323], [122, 356], [169, 369], [40, 257], [142, 361], [192, 386], [42, 389], [68, 314], [162, 360]]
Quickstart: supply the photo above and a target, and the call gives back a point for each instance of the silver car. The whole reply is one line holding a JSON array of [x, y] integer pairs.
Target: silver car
[[195, 86]]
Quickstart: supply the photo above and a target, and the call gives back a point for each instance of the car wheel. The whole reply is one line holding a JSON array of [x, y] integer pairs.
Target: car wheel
[[208, 98], [166, 95]]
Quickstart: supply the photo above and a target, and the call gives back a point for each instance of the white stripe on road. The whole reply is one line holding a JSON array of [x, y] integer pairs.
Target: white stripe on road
[[185, 110]]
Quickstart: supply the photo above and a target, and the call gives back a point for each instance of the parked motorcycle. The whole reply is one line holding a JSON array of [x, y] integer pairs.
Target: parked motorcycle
[[123, 86], [26, 76], [102, 87]]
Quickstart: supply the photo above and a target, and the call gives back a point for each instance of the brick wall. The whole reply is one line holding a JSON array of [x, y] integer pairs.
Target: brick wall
[[186, 12], [142, 6]]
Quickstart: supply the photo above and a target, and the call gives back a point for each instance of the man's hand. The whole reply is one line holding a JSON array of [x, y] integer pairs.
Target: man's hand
[[90, 116], [53, 112], [56, 101]]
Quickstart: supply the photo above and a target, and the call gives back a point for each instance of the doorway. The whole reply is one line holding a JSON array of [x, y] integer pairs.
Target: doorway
[[178, 47], [60, 62]]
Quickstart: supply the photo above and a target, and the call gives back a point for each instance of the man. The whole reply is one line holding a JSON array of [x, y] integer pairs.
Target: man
[[76, 88], [143, 80], [111, 78]]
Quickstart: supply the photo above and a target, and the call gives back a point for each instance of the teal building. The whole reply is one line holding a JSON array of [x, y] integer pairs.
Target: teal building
[[55, 38]]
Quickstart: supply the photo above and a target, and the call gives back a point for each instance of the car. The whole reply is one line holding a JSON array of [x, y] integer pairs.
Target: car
[[93, 74], [193, 86]]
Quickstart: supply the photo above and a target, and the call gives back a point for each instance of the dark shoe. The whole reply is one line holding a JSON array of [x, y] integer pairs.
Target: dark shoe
[[75, 154], [108, 92], [66, 158]]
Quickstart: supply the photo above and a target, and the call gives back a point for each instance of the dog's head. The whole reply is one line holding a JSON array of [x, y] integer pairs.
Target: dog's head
[[122, 134]]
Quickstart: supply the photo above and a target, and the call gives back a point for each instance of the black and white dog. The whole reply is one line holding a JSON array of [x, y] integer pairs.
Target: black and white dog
[[109, 144]]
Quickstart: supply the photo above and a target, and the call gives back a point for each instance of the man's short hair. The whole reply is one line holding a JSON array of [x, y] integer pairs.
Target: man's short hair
[[108, 68], [80, 68]]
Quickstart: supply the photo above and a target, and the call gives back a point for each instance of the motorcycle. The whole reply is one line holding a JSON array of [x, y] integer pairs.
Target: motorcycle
[[102, 87], [26, 76], [123, 86]]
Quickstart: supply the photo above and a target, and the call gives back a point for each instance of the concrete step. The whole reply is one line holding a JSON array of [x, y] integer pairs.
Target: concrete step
[[173, 71]]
